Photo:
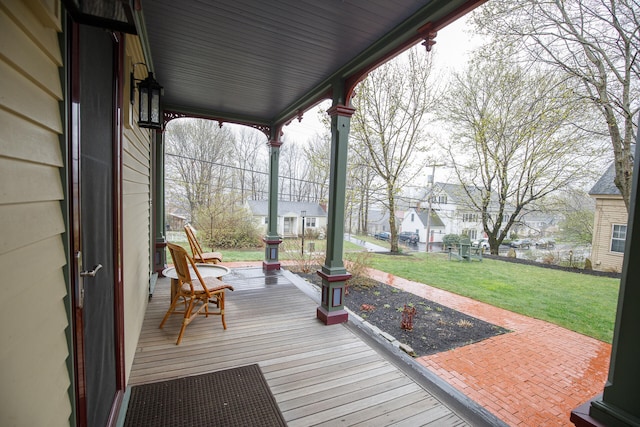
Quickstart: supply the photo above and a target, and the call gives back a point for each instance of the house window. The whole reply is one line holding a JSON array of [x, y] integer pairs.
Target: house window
[[441, 199], [288, 225], [412, 215], [266, 220], [470, 217], [310, 222], [618, 237], [471, 234]]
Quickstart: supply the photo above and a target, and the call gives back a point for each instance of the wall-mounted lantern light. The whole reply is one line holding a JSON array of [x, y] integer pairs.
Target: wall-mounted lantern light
[[149, 99], [149, 106]]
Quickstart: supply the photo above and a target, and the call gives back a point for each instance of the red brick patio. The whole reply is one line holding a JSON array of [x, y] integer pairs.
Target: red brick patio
[[533, 376]]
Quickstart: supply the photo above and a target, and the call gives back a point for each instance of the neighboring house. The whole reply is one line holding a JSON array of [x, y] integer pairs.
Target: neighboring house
[[415, 220], [377, 221], [451, 204], [290, 217], [536, 224], [176, 221], [609, 224]]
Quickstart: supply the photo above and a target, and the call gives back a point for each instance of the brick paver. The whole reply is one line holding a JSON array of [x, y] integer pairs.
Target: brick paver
[[533, 376]]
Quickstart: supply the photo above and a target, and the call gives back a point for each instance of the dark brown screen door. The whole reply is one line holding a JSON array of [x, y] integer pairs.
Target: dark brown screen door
[[93, 135]]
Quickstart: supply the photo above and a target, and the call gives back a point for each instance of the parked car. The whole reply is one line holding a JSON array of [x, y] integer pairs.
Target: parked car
[[545, 244], [481, 243], [408, 237], [521, 244], [383, 235]]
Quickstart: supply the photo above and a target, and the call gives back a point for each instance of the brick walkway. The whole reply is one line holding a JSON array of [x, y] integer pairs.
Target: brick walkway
[[533, 376]]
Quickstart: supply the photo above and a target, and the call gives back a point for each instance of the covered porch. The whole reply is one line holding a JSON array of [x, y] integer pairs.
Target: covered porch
[[264, 66], [318, 375]]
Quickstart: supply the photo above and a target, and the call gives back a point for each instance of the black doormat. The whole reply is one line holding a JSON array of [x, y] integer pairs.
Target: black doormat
[[233, 397]]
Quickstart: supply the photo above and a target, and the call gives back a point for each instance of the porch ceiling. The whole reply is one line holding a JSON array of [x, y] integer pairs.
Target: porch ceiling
[[262, 62]]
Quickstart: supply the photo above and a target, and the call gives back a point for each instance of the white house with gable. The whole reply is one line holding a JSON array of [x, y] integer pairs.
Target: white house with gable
[[290, 217], [450, 203], [416, 220]]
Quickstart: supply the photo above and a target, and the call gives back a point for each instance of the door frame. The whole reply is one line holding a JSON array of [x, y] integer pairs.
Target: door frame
[[75, 230]]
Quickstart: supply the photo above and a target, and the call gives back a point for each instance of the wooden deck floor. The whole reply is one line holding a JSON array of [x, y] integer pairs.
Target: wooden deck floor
[[319, 375]]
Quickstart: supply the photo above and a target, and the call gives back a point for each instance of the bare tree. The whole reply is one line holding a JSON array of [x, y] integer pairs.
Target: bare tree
[[516, 138], [251, 158], [196, 151], [577, 210], [294, 185], [318, 154], [361, 188], [594, 42], [391, 107]]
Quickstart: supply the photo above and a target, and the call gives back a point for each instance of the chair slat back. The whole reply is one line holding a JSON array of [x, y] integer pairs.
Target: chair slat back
[[180, 262], [196, 249]]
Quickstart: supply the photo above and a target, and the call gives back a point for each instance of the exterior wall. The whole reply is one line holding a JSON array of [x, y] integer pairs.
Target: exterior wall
[[321, 224], [448, 213], [33, 318], [415, 225], [411, 222], [609, 211], [136, 188]]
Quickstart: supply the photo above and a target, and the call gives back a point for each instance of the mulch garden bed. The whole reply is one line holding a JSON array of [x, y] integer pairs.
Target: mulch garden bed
[[436, 328]]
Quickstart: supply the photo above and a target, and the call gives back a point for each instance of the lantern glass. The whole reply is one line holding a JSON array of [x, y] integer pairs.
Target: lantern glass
[[144, 104], [155, 105]]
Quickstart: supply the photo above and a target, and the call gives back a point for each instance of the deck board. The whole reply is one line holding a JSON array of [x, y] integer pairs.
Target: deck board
[[318, 374]]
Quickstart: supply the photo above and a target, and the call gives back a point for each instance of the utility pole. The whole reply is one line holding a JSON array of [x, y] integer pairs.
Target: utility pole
[[430, 181], [429, 199]]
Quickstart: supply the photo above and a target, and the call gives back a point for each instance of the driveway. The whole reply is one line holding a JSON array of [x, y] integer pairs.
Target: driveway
[[370, 247]]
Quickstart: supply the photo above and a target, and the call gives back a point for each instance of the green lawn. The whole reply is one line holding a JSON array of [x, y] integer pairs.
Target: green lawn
[[580, 302], [290, 249]]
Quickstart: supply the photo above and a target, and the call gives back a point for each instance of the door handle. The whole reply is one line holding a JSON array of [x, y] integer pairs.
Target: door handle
[[80, 278], [91, 273]]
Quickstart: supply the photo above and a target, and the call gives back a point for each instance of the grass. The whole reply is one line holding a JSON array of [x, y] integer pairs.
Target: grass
[[290, 249], [579, 302]]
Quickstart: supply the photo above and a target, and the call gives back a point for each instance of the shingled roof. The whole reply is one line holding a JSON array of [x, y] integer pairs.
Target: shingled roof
[[605, 185]]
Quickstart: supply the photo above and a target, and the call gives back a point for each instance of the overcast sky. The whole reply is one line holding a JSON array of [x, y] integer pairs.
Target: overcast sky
[[451, 51]]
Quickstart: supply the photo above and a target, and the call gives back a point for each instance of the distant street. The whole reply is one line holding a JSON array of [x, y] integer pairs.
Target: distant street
[[578, 253]]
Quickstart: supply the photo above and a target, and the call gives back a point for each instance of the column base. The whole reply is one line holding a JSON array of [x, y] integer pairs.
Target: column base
[[269, 266], [580, 416], [596, 413], [159, 258], [332, 317]]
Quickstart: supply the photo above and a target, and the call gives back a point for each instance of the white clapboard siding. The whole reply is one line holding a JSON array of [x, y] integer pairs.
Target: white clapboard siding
[[33, 318], [136, 221]]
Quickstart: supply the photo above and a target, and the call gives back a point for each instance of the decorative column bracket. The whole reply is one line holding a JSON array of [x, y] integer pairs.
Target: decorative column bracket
[[428, 34]]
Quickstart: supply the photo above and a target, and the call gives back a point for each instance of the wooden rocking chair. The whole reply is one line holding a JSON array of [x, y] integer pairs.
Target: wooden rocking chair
[[196, 293], [196, 249]]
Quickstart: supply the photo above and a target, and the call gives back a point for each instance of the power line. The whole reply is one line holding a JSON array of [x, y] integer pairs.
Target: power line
[[378, 194], [243, 169]]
